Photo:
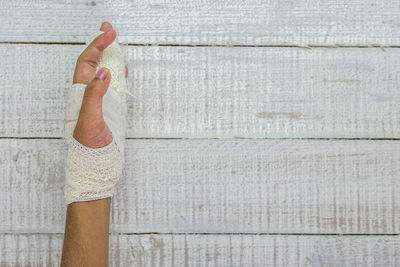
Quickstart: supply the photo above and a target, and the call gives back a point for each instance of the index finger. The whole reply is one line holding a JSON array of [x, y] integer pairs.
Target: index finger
[[87, 61]]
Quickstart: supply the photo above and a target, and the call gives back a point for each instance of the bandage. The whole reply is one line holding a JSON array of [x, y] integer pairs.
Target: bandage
[[92, 173]]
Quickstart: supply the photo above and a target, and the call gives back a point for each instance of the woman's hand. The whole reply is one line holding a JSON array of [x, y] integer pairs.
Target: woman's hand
[[91, 129], [87, 222]]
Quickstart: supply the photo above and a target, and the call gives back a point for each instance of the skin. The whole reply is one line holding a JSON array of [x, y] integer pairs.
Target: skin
[[87, 223]]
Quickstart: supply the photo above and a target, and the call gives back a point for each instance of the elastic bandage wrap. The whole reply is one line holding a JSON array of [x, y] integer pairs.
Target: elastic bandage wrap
[[91, 173]]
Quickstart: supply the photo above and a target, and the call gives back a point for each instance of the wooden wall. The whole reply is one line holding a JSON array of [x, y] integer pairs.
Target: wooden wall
[[261, 133]]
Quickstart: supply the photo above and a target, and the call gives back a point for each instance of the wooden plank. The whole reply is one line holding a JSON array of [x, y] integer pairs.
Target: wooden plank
[[216, 91], [215, 186], [213, 250], [254, 22]]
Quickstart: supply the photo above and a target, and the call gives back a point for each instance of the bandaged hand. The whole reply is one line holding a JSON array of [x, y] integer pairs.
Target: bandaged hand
[[95, 120]]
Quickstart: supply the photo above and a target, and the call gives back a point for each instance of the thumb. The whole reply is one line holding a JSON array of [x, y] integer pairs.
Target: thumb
[[91, 129], [92, 101]]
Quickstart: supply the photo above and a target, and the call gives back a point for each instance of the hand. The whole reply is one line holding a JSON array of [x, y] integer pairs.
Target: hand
[[91, 130]]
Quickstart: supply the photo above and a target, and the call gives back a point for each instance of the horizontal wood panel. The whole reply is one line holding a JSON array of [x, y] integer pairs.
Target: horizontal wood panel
[[213, 250], [216, 91], [210, 186], [270, 22]]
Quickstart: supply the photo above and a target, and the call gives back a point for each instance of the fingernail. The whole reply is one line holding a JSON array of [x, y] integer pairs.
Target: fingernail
[[101, 74]]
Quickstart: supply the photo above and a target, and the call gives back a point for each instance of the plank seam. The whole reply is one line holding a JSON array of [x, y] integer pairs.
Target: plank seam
[[200, 233], [213, 45], [215, 138]]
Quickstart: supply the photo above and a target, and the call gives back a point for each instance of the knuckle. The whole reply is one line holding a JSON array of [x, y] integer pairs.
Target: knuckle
[[91, 86], [92, 89], [80, 59]]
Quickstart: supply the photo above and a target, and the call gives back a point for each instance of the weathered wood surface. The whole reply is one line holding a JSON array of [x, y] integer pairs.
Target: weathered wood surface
[[270, 22], [215, 186], [216, 91], [213, 250]]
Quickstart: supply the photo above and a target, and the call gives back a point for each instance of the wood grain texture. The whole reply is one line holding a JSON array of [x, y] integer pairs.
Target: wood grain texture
[[254, 22], [216, 91], [213, 250], [211, 186]]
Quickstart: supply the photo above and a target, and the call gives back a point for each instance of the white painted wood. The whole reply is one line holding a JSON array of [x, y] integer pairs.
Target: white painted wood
[[211, 186], [216, 91], [254, 22], [213, 250]]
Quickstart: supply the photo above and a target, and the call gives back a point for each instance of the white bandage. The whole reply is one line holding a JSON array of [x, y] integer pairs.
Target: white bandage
[[93, 172]]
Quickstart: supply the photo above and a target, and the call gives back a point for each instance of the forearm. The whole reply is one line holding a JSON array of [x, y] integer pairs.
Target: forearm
[[86, 233], [95, 152]]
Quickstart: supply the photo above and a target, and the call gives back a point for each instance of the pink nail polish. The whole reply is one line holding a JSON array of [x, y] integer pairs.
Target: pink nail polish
[[101, 74]]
